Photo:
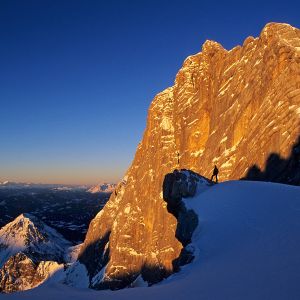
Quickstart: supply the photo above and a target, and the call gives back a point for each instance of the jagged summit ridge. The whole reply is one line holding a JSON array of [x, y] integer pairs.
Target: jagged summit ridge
[[21, 232], [29, 235], [230, 108], [29, 251], [102, 188]]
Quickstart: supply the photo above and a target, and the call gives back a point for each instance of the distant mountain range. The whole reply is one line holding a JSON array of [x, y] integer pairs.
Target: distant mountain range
[[22, 185], [14, 184], [102, 188], [99, 188]]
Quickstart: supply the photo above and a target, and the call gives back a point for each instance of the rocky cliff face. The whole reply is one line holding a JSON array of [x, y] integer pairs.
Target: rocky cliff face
[[20, 273], [229, 108]]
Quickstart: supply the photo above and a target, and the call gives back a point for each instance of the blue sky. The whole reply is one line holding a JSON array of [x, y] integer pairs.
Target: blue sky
[[77, 77]]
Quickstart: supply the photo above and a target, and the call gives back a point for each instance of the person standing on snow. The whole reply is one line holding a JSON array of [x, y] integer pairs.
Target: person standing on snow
[[215, 174]]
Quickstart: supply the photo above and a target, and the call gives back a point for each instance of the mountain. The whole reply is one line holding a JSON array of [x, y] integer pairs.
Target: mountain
[[60, 209], [4, 182], [11, 184], [30, 235], [21, 273], [24, 185], [29, 250], [238, 109], [246, 246], [102, 188]]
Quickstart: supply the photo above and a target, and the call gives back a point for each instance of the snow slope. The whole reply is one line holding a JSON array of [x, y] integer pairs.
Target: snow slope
[[247, 246]]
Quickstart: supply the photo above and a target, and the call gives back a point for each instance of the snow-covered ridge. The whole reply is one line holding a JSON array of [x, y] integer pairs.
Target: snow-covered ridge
[[30, 235], [12, 184], [102, 188], [246, 247], [31, 253]]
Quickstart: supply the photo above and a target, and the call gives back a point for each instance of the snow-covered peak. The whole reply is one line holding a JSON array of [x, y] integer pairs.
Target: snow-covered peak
[[4, 182], [13, 184], [21, 232], [102, 188], [30, 235]]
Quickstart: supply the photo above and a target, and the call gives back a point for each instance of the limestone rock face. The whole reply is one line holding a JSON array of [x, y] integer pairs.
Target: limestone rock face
[[179, 184], [229, 108]]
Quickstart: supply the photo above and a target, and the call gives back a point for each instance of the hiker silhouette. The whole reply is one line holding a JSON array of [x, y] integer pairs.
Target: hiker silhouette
[[215, 174]]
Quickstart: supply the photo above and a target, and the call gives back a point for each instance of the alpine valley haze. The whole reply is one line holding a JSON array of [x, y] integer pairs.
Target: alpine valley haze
[[167, 230]]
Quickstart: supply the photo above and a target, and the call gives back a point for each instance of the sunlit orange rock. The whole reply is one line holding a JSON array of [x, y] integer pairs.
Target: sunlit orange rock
[[229, 108]]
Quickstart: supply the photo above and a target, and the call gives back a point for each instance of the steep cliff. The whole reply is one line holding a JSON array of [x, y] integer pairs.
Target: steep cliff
[[229, 108]]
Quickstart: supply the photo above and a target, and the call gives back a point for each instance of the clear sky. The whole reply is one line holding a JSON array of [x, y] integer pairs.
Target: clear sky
[[77, 77]]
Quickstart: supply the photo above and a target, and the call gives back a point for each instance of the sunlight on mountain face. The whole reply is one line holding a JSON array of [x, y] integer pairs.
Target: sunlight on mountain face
[[241, 106], [208, 209]]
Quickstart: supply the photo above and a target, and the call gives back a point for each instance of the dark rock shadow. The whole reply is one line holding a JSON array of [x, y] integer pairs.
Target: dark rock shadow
[[95, 256], [278, 169], [177, 185], [117, 282], [153, 274]]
